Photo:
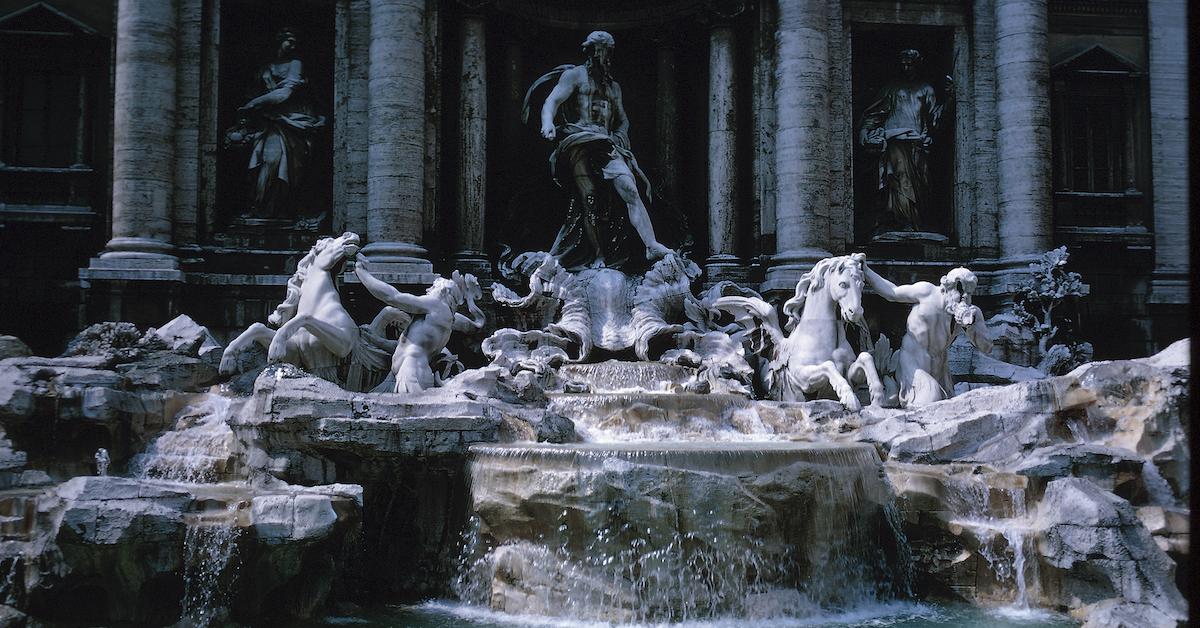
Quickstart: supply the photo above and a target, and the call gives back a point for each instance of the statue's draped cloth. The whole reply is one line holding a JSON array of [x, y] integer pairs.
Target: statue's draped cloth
[[903, 181], [587, 159], [283, 148], [597, 221]]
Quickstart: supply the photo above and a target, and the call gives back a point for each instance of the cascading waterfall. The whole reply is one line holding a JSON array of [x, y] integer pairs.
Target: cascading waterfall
[[998, 517], [651, 532], [197, 450], [210, 555], [1156, 485]]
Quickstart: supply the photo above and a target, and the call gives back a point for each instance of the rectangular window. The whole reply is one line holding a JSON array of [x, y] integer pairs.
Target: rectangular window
[[1097, 142], [41, 118]]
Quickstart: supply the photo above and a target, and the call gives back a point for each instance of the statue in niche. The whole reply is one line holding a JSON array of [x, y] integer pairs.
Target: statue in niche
[[900, 126], [279, 125], [607, 224], [940, 313], [433, 317]]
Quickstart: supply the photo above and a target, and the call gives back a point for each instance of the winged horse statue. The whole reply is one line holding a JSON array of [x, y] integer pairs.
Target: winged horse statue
[[814, 356]]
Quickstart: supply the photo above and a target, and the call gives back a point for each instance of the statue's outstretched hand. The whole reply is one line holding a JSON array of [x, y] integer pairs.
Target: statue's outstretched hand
[[361, 265], [548, 131]]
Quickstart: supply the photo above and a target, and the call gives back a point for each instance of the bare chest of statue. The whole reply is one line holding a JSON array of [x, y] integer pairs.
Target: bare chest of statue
[[593, 104]]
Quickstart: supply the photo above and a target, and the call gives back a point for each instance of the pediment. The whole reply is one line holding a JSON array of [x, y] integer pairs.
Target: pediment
[[1097, 59], [41, 18]]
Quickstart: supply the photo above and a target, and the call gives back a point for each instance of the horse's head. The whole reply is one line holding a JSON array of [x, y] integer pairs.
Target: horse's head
[[845, 280], [841, 278], [327, 255], [330, 253]]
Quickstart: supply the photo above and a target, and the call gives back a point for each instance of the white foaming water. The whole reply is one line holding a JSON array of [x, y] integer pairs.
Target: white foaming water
[[210, 566], [878, 615], [197, 450], [1157, 486], [1004, 534], [614, 417], [687, 554]]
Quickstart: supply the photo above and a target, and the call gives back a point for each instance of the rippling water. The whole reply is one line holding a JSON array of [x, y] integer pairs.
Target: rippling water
[[442, 614]]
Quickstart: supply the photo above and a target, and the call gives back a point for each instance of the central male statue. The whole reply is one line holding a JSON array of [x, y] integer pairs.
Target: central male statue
[[607, 224]]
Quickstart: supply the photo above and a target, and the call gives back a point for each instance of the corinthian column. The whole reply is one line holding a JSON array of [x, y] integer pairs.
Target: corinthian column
[[801, 141], [1023, 129], [472, 158], [143, 145], [722, 145], [396, 128]]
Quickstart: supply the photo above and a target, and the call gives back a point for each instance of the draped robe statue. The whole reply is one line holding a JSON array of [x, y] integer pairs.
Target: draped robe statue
[[900, 125], [607, 224]]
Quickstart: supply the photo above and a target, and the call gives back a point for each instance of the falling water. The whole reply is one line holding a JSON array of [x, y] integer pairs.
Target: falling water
[[197, 450], [999, 518], [1157, 486], [680, 531], [211, 563], [614, 376]]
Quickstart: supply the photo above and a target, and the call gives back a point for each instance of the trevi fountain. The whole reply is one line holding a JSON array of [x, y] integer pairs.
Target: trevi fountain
[[638, 449]]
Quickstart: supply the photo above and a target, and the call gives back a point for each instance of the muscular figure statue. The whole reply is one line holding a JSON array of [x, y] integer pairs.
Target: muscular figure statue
[[940, 314], [607, 223], [434, 319], [900, 126]]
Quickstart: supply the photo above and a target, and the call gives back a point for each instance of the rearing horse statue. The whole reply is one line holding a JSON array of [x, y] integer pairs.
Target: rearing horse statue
[[314, 331], [815, 355]]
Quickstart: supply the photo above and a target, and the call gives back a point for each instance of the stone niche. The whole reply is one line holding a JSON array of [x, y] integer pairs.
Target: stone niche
[[875, 65], [663, 79], [247, 34]]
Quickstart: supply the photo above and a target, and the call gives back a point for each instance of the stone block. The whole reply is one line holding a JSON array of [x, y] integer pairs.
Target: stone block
[[273, 517], [315, 517]]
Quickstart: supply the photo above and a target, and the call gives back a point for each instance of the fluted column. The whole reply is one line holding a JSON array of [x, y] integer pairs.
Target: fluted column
[[801, 141], [396, 128], [1169, 149], [722, 146], [1023, 129], [472, 158], [143, 142]]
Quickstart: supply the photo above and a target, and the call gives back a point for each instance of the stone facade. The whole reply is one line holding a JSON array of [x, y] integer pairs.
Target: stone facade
[[745, 116]]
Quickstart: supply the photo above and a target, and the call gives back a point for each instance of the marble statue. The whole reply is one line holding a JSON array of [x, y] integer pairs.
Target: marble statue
[[605, 309], [607, 224], [279, 124], [900, 126], [434, 317], [938, 315], [815, 355], [717, 350], [315, 332], [102, 461]]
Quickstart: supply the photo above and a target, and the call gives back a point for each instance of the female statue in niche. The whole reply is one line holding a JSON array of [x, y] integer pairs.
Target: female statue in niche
[[900, 126], [279, 124]]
